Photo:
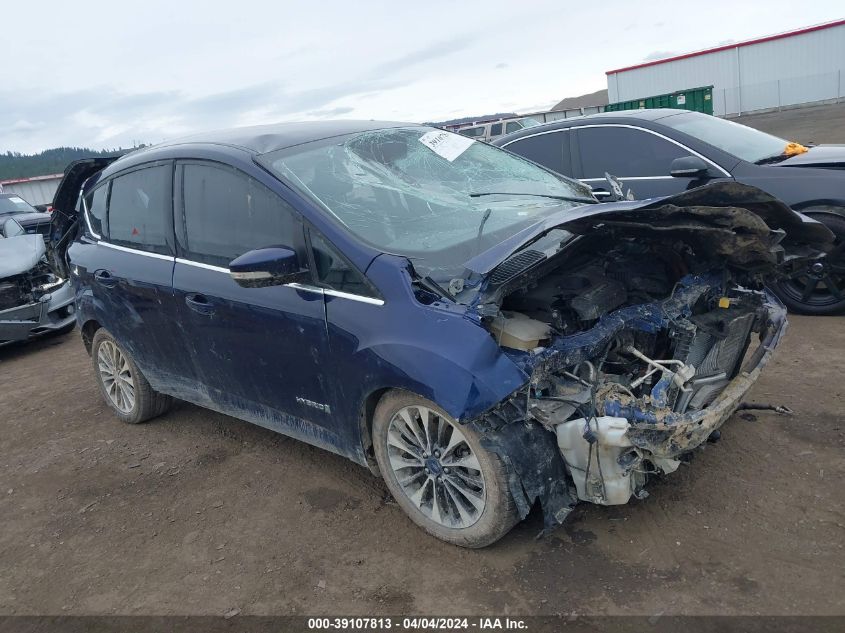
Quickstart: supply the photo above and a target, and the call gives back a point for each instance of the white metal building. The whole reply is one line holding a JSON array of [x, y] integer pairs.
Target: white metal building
[[36, 190], [802, 66]]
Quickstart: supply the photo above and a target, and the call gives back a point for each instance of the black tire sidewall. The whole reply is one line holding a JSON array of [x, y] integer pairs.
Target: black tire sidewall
[[499, 514], [835, 221]]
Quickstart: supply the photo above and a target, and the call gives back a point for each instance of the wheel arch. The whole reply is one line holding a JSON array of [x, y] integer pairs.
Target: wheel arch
[[89, 329]]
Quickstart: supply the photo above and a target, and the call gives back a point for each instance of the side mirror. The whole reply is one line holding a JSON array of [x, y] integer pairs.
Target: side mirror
[[688, 167], [12, 228], [273, 266]]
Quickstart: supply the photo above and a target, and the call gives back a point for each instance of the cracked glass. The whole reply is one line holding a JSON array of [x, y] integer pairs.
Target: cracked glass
[[435, 197]]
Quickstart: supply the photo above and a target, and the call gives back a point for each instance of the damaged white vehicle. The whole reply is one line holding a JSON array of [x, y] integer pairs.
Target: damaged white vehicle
[[34, 299]]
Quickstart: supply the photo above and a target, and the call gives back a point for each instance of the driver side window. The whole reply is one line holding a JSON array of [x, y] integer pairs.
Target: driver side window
[[333, 271], [225, 213]]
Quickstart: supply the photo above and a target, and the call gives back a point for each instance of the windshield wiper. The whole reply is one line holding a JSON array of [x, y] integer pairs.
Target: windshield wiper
[[536, 195], [481, 230], [771, 159]]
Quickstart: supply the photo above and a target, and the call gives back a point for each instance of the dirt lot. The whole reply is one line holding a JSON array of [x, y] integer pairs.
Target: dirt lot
[[197, 513]]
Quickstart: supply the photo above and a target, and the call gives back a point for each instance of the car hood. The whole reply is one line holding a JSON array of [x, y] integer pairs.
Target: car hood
[[726, 214], [20, 254], [831, 156], [28, 219]]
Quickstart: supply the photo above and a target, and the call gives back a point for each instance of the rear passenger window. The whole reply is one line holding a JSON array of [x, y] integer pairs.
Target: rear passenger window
[[550, 150], [95, 204], [140, 209], [334, 271], [496, 129], [227, 213]]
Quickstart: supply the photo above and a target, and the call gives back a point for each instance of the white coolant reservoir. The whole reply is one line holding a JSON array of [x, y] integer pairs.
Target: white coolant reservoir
[[611, 443], [518, 331]]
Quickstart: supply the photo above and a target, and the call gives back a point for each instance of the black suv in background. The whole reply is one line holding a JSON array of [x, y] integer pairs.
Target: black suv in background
[[663, 152]]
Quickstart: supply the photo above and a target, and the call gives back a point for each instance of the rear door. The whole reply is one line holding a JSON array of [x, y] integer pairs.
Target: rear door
[[640, 158], [125, 263], [261, 353]]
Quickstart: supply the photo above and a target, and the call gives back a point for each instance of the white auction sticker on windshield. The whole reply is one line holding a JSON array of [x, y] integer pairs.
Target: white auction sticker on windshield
[[446, 144]]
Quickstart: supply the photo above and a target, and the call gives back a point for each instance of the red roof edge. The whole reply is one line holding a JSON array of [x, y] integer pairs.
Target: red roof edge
[[15, 181], [759, 40]]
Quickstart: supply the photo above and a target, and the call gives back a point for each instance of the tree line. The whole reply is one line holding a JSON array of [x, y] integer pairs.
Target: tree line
[[50, 161]]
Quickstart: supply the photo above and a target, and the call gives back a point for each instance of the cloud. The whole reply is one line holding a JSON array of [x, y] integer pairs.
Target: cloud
[[501, 66], [428, 53], [330, 112], [655, 55]]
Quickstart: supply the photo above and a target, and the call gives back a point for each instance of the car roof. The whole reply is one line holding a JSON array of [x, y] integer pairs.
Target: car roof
[[622, 116], [260, 139]]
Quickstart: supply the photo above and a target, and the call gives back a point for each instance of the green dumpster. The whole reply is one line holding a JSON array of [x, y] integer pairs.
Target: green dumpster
[[695, 99]]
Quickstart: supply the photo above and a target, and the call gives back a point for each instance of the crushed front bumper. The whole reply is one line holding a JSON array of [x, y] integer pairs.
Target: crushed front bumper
[[668, 435], [52, 312], [550, 461], [609, 456]]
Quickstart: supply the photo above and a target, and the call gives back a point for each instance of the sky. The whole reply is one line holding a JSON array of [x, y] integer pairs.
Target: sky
[[115, 74]]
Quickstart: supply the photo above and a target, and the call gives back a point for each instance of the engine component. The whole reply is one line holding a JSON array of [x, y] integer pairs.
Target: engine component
[[518, 331], [609, 483], [604, 295]]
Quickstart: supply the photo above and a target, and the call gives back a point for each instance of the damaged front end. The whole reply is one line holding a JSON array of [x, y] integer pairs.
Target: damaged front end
[[640, 334], [34, 298]]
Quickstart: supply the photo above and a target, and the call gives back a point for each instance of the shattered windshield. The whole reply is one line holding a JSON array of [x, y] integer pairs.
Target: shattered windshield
[[436, 197]]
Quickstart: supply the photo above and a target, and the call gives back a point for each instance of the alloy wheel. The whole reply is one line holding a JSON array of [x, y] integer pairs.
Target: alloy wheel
[[435, 467], [116, 376]]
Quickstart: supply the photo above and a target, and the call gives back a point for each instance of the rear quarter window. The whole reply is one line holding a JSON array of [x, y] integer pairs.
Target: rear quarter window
[[95, 207], [139, 209]]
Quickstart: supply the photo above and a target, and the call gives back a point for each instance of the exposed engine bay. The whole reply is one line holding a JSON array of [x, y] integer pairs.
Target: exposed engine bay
[[637, 347]]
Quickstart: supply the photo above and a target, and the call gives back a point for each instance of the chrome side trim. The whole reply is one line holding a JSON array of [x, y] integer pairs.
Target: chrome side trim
[[304, 287], [558, 131], [632, 127], [346, 295], [189, 262], [135, 251]]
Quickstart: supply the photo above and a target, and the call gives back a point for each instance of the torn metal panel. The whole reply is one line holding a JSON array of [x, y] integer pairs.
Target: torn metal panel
[[536, 470]]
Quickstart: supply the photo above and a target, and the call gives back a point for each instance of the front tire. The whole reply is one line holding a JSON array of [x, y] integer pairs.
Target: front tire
[[819, 287], [439, 473], [124, 388]]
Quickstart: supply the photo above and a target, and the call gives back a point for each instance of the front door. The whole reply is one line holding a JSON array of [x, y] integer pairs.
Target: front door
[[260, 353]]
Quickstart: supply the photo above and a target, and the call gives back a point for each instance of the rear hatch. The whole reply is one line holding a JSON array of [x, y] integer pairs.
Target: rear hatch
[[65, 212]]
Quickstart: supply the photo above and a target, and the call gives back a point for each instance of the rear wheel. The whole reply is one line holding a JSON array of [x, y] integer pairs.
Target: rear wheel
[[818, 287], [439, 473], [123, 386]]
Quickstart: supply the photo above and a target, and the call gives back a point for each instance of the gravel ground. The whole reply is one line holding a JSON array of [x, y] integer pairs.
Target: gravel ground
[[811, 124], [198, 513]]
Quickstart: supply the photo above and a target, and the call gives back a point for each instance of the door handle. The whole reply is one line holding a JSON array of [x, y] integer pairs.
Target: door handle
[[105, 278], [199, 303]]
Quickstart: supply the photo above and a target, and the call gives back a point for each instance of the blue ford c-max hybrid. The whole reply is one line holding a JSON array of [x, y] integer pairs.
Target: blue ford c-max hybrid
[[475, 329]]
